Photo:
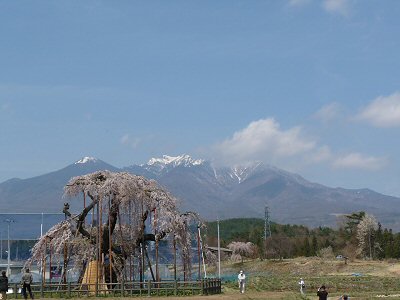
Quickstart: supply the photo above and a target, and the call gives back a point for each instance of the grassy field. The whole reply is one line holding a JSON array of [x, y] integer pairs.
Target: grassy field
[[278, 279]]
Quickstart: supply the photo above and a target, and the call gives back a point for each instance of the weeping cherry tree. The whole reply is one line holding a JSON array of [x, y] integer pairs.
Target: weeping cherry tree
[[120, 205], [241, 250]]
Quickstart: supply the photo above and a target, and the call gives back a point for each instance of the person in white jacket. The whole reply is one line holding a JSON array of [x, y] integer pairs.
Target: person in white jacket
[[302, 286], [242, 281]]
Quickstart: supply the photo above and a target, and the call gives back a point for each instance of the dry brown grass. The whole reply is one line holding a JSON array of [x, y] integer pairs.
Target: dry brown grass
[[316, 267]]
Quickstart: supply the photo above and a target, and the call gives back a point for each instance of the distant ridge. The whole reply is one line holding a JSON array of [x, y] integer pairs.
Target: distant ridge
[[214, 192]]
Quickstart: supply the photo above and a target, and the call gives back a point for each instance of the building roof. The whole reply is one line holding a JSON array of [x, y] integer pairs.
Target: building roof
[[220, 248]]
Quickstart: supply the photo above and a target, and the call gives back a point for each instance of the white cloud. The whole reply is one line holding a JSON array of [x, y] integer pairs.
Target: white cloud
[[341, 7], [359, 161], [336, 6], [264, 140], [328, 112], [382, 112], [129, 141]]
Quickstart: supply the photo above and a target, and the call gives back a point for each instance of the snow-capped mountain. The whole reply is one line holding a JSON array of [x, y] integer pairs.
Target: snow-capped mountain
[[223, 175], [221, 192], [214, 192], [175, 161], [44, 193], [238, 173], [166, 163], [86, 159]]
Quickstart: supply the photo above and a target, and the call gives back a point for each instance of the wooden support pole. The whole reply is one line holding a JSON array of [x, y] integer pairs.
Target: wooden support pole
[[174, 258], [50, 275], [198, 252], [109, 239], [131, 274], [44, 263], [155, 232], [149, 262], [142, 246], [84, 205], [97, 248], [65, 263], [101, 260], [149, 288]]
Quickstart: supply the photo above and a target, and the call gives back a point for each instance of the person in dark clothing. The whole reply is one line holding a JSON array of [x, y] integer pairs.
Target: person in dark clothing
[[322, 293], [26, 284], [3, 285]]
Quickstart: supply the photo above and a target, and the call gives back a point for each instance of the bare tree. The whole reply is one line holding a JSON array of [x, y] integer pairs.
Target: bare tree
[[279, 245], [126, 202]]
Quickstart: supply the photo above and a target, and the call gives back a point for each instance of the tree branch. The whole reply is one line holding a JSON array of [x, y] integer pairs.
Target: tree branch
[[81, 219]]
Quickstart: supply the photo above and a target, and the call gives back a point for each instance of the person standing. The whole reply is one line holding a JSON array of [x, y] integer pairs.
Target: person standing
[[302, 286], [322, 293], [242, 281], [3, 285], [26, 283]]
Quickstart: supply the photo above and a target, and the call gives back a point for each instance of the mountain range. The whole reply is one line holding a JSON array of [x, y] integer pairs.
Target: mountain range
[[214, 192]]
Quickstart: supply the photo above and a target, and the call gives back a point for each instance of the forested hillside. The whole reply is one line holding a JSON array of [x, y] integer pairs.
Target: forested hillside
[[359, 235]]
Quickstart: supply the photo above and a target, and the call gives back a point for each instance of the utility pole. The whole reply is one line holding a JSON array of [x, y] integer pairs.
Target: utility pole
[[219, 251], [267, 229], [41, 227]]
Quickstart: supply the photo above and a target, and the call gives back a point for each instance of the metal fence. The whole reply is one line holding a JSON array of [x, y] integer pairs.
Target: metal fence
[[124, 289]]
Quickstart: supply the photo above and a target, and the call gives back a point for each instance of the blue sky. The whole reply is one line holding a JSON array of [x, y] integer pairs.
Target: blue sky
[[309, 86]]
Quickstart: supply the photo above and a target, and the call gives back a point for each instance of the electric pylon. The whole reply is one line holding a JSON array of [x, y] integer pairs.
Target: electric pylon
[[267, 229]]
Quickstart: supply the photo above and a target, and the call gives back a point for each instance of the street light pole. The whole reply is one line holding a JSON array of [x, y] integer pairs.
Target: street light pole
[[8, 245], [219, 251]]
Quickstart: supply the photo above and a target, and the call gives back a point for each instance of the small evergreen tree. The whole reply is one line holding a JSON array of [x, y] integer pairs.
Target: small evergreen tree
[[314, 245], [306, 247]]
